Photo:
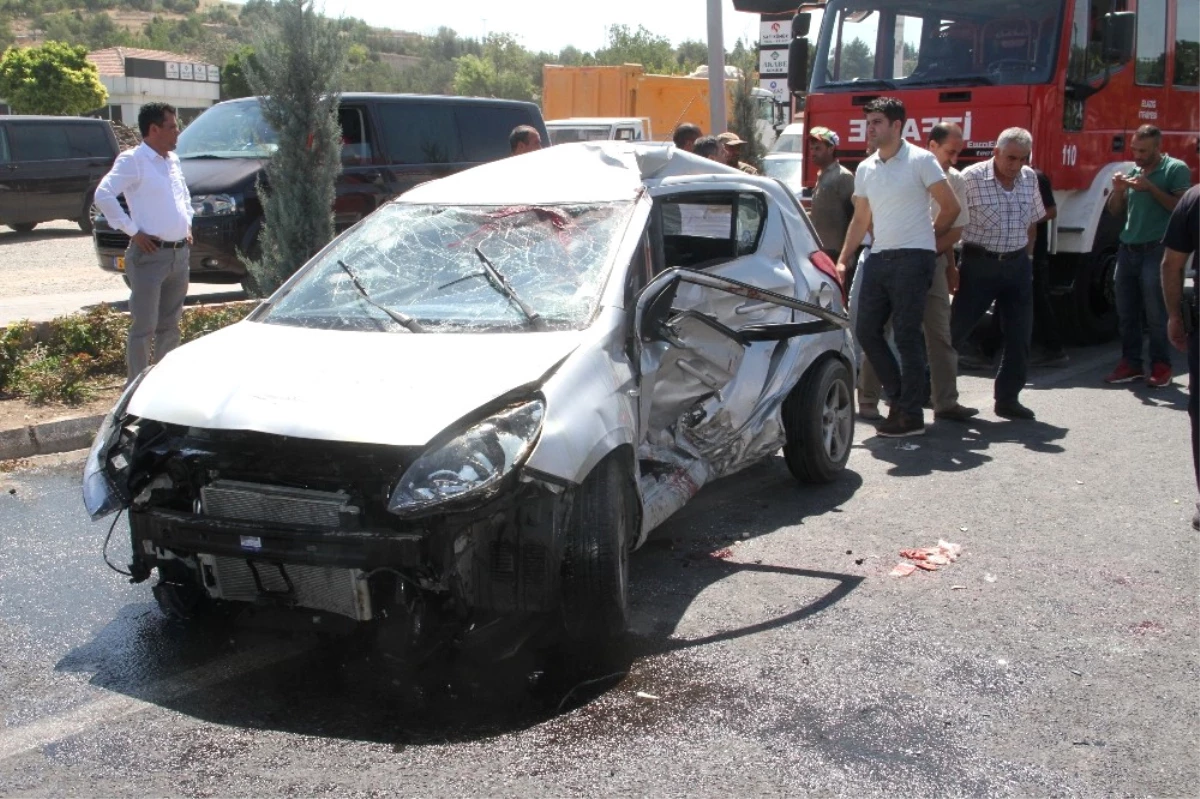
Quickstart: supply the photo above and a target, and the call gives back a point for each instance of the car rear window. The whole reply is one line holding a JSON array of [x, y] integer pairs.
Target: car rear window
[[485, 129], [89, 141], [421, 133]]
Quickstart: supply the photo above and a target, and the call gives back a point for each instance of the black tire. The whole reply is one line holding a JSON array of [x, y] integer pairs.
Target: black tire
[[179, 594], [1093, 298], [85, 221], [23, 227], [595, 564], [818, 419]]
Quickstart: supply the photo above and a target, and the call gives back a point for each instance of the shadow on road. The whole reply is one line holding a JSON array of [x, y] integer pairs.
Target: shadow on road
[[959, 446], [347, 687]]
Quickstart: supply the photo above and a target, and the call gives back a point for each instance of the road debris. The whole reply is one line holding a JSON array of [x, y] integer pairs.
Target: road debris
[[902, 570], [930, 559], [991, 578], [907, 446], [646, 696], [958, 588]]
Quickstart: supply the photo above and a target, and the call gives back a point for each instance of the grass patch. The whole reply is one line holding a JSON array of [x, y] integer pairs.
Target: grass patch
[[82, 351]]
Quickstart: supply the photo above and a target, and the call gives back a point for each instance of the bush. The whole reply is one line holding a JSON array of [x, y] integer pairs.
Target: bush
[[99, 333], [41, 377], [13, 341], [200, 321]]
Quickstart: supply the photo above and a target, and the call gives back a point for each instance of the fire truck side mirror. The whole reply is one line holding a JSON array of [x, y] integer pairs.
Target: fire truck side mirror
[[798, 66], [800, 24], [1120, 31]]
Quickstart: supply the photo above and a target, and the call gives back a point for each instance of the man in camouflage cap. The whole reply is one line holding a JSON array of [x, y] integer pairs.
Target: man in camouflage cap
[[733, 153]]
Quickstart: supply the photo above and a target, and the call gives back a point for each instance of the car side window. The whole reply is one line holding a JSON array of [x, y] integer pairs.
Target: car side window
[[705, 229], [356, 146], [421, 133], [88, 141], [485, 128], [39, 142], [4, 155], [751, 213]]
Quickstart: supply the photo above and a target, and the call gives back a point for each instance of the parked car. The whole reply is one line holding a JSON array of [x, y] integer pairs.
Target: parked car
[[480, 399], [787, 168], [52, 166], [577, 129], [791, 140], [390, 143]]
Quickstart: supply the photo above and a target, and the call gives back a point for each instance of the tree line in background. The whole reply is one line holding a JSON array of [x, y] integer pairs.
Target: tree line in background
[[497, 65]]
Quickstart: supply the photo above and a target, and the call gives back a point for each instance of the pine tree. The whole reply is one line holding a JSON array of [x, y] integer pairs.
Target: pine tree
[[297, 73]]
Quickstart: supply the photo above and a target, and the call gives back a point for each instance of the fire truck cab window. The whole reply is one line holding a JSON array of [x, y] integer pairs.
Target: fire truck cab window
[[1152, 42], [885, 44], [1187, 44]]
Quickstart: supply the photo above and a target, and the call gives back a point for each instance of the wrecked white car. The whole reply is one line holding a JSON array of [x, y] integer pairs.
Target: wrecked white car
[[477, 401]]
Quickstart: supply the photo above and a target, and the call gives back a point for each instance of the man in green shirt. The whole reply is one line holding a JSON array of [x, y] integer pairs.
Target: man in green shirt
[[1145, 197]]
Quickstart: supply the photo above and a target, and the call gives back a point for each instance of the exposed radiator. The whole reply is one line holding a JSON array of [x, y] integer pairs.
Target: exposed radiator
[[233, 499], [341, 591]]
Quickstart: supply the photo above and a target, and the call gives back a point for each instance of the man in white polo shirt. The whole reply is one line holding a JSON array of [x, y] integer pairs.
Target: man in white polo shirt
[[892, 190], [159, 226]]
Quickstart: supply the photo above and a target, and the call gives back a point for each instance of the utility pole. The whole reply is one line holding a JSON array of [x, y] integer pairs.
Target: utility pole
[[716, 69]]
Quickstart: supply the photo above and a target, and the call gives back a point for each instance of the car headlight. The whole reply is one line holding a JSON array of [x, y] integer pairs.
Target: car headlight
[[100, 495], [471, 463], [214, 205]]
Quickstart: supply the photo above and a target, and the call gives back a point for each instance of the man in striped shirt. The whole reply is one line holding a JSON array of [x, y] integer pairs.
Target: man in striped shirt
[[996, 266]]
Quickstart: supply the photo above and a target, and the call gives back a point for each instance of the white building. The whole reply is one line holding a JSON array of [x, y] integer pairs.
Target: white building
[[134, 77]]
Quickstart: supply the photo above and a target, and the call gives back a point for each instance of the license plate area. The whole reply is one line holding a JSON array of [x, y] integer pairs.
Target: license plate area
[[119, 263]]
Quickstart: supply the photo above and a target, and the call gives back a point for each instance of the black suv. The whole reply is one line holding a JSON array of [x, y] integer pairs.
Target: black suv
[[390, 143], [51, 167]]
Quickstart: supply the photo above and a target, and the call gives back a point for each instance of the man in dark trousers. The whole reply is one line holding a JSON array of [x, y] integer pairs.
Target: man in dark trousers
[[1145, 198], [892, 190], [1004, 206], [1183, 239], [1048, 347], [159, 226]]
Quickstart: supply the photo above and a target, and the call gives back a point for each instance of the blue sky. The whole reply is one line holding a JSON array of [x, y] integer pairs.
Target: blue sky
[[547, 25]]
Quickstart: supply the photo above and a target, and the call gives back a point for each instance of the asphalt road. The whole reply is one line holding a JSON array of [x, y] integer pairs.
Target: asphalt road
[[53, 271], [772, 653]]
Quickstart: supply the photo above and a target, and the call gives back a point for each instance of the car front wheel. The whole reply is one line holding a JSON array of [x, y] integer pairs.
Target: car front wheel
[[818, 418], [595, 566]]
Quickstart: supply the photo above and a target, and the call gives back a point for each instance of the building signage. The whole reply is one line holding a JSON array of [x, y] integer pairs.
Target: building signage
[[775, 33], [172, 69], [772, 61], [185, 71], [214, 74], [777, 86]]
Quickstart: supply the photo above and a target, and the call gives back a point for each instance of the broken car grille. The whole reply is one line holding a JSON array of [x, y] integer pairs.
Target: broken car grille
[[233, 499], [341, 591]]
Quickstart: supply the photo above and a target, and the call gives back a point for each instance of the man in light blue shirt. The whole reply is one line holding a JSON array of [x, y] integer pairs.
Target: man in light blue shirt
[[159, 226]]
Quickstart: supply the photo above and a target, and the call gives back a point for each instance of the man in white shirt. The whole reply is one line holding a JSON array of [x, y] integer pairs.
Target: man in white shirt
[[892, 190], [1005, 206], [159, 226]]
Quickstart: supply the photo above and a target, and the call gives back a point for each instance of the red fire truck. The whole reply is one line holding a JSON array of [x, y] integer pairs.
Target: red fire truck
[[1081, 75]]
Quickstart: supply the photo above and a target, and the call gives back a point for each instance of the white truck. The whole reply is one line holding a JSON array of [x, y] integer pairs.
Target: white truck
[[575, 129]]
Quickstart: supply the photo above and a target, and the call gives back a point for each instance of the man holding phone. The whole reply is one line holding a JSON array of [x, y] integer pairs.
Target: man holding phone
[[1145, 198]]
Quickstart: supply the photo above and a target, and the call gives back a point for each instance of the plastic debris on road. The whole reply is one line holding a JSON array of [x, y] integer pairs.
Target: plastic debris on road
[[902, 570], [991, 578]]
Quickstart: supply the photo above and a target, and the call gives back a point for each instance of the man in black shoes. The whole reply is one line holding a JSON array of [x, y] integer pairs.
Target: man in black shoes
[[1005, 206]]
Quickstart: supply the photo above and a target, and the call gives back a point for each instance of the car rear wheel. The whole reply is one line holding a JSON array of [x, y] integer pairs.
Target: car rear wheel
[[595, 567], [23, 227], [818, 418]]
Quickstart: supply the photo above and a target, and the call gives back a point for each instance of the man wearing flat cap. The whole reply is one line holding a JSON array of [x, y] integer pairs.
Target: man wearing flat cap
[[733, 153]]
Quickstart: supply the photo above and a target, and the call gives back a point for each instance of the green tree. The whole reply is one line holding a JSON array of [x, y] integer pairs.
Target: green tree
[[502, 70], [857, 60], [652, 51], [298, 71], [55, 78], [744, 114], [234, 82], [691, 54]]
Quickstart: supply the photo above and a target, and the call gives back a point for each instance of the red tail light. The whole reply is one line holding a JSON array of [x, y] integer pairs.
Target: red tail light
[[823, 262]]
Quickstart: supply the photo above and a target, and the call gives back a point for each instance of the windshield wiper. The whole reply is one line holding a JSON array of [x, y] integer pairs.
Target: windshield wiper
[[952, 80], [402, 319], [497, 281]]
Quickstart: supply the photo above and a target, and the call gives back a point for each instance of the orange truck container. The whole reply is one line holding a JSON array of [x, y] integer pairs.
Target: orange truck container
[[627, 91]]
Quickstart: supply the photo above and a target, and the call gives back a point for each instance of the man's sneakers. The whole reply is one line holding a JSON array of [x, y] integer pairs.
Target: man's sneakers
[[1014, 410], [956, 413], [1160, 375], [901, 425], [1124, 373]]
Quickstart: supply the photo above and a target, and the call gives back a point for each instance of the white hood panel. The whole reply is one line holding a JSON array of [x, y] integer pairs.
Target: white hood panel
[[379, 388]]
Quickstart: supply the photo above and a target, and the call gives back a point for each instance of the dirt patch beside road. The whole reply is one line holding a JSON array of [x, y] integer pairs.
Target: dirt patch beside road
[[16, 413]]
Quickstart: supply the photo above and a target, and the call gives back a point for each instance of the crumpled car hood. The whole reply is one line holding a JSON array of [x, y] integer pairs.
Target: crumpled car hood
[[379, 388]]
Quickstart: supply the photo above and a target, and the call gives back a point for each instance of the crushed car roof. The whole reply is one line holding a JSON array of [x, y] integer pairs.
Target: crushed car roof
[[586, 172]]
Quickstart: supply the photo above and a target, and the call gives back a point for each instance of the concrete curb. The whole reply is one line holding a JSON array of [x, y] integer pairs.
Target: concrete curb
[[47, 438]]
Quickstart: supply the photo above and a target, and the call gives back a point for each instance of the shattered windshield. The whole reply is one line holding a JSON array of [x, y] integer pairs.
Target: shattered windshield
[[460, 269], [228, 130], [890, 44]]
